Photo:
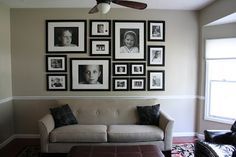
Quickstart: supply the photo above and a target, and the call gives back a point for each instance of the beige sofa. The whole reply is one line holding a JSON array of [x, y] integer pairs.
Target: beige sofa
[[105, 122]]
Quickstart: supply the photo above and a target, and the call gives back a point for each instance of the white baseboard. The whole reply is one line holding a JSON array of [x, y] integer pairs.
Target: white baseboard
[[15, 136], [182, 134]]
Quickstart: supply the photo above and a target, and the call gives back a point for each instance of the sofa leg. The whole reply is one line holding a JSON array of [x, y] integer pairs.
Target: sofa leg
[[167, 153]]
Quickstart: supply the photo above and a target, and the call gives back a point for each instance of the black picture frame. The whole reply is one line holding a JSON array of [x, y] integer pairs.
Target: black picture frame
[[137, 69], [156, 80], [100, 47], [66, 36], [156, 55], [138, 84], [135, 29], [56, 82], [82, 71], [121, 84], [121, 69], [156, 30], [100, 28], [56, 63]]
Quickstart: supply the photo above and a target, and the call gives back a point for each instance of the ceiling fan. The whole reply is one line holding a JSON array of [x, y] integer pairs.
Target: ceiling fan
[[103, 6]]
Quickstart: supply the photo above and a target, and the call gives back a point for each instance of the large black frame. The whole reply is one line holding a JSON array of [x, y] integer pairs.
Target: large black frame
[[77, 83], [78, 33], [138, 29]]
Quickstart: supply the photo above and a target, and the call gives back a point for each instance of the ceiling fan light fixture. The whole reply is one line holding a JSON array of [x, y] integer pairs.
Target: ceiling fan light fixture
[[104, 7]]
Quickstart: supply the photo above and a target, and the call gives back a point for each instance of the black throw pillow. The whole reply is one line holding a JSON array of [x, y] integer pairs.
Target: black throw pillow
[[149, 115], [233, 127], [63, 115]]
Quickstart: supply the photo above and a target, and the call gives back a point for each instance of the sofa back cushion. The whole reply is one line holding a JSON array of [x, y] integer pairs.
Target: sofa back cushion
[[107, 111]]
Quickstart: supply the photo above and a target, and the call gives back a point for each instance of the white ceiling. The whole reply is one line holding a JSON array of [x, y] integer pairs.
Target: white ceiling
[[152, 4]]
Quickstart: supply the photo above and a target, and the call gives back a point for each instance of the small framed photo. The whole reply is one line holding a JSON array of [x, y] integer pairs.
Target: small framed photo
[[56, 63], [129, 40], [156, 80], [56, 82], [138, 84], [120, 84], [100, 47], [120, 69], [90, 74], [100, 28], [66, 36], [156, 30], [156, 55], [137, 69]]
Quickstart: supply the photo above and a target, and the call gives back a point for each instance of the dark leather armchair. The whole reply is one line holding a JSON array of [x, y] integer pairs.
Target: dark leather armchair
[[217, 143]]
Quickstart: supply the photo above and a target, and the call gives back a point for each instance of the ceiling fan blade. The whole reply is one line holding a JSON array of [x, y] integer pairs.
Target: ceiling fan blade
[[131, 4], [93, 10]]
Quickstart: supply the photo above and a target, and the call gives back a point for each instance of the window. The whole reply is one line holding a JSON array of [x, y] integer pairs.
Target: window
[[220, 93]]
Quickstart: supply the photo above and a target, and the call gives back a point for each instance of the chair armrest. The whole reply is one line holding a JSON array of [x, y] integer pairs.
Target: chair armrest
[[46, 125], [220, 136], [166, 123]]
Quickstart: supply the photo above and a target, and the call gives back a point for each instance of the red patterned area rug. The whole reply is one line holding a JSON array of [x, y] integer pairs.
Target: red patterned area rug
[[183, 150]]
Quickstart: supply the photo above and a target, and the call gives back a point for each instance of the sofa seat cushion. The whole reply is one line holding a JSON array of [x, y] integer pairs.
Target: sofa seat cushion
[[79, 133], [134, 133]]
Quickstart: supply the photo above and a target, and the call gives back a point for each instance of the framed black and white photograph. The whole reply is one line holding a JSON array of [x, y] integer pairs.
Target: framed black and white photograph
[[90, 74], [156, 55], [120, 69], [100, 47], [56, 82], [100, 28], [56, 63], [156, 30], [156, 80], [137, 69], [129, 40], [66, 36], [138, 84], [120, 84]]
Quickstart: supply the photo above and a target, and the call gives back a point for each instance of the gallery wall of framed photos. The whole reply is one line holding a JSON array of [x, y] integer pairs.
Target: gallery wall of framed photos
[[118, 56]]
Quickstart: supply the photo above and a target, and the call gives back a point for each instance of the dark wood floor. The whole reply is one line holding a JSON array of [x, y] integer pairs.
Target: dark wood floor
[[17, 145]]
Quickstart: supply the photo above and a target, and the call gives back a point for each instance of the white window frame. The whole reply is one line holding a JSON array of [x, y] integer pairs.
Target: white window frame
[[207, 115]]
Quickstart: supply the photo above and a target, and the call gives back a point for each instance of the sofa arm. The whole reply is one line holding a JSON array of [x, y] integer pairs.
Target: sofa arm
[[220, 136], [46, 125], [166, 123]]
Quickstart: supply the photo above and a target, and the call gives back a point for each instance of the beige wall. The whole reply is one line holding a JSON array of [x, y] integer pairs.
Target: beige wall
[[5, 54], [216, 11], [28, 63], [6, 107]]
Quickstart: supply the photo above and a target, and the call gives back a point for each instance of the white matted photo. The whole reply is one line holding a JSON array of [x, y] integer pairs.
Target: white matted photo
[[56, 63], [156, 55], [129, 40], [56, 82], [120, 69], [90, 74], [137, 69], [156, 80], [156, 30], [138, 84], [100, 47], [120, 84], [100, 28], [65, 36]]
